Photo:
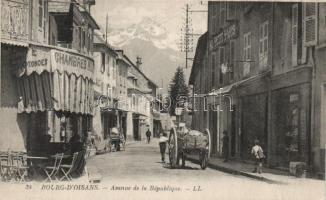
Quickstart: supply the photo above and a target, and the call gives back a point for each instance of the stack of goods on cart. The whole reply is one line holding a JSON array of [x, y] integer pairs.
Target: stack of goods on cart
[[195, 139]]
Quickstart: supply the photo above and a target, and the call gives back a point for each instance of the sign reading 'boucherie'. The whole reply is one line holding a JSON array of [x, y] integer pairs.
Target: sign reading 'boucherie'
[[227, 34]]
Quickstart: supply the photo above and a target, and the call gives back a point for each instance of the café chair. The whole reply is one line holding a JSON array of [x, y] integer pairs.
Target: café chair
[[52, 171], [69, 168]]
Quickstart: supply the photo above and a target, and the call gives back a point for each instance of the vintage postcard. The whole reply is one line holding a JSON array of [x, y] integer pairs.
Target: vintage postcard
[[162, 99]]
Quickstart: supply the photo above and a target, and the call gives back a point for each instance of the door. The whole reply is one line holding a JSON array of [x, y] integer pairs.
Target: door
[[136, 128]]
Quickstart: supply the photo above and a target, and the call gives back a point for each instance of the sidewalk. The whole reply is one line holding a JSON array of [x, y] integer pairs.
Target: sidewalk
[[245, 169]]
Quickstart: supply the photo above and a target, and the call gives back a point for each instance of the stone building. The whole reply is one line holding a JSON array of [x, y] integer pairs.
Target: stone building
[[141, 96], [42, 93], [263, 77], [105, 87]]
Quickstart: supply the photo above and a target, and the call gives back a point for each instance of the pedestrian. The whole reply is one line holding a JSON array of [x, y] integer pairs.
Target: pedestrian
[[225, 148], [148, 135], [162, 142], [258, 153]]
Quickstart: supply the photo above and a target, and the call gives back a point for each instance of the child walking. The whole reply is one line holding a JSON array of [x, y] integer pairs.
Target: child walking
[[258, 153]]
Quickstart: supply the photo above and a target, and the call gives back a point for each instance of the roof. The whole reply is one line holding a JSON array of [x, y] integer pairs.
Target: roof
[[199, 57], [98, 40], [149, 80], [63, 6]]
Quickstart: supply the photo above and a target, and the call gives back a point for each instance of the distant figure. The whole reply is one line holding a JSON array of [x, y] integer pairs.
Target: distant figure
[[225, 148], [148, 135], [258, 153], [116, 138], [162, 142]]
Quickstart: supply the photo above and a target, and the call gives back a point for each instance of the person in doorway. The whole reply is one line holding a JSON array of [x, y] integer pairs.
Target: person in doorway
[[225, 147], [162, 142], [148, 135], [258, 153]]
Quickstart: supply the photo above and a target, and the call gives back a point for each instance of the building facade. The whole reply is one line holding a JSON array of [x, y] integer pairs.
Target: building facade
[[44, 98], [141, 97], [259, 80], [105, 112]]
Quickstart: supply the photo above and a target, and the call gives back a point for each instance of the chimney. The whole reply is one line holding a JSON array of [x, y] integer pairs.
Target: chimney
[[138, 62]]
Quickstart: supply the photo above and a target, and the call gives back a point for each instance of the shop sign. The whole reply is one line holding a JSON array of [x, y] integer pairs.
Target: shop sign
[[227, 34], [37, 60], [40, 58], [71, 63], [14, 20]]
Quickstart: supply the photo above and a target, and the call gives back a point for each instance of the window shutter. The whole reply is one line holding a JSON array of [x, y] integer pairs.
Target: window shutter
[[231, 10], [222, 13], [295, 35], [232, 56], [310, 24]]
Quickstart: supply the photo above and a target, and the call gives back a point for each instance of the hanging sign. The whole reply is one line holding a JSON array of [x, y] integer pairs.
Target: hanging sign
[[227, 34]]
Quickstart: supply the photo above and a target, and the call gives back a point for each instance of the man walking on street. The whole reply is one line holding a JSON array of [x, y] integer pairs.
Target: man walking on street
[[225, 148], [162, 142], [148, 135]]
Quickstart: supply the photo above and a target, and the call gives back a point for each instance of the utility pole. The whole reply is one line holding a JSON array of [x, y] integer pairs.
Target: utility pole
[[106, 28], [186, 41]]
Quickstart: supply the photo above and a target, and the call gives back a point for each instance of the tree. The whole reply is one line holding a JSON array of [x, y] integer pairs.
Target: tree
[[178, 91]]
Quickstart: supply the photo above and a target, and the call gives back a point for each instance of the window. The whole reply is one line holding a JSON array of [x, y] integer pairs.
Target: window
[[102, 62], [113, 67], [231, 9], [109, 91], [263, 44], [109, 64], [223, 13], [232, 58], [82, 39], [246, 53], [213, 65], [295, 16], [310, 23], [222, 61], [214, 18], [40, 12]]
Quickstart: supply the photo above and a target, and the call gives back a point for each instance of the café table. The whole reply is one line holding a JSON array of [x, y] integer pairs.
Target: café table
[[35, 163]]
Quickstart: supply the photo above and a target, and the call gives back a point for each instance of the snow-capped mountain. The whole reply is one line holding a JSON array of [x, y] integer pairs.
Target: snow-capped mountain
[[148, 30], [155, 45]]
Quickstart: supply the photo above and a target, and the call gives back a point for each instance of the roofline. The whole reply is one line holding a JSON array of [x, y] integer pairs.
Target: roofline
[[141, 72], [107, 46]]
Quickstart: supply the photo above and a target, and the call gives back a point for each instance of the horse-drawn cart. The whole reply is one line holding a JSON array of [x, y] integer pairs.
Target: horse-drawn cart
[[183, 142]]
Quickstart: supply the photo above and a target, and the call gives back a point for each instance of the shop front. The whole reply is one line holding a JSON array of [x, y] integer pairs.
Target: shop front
[[55, 89], [291, 119]]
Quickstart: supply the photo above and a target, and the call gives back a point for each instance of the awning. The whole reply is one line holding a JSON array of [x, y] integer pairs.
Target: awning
[[14, 42], [55, 79], [57, 91], [50, 59]]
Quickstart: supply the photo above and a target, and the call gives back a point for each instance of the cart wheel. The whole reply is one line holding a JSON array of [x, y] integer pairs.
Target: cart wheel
[[184, 157], [173, 148], [209, 146], [204, 159]]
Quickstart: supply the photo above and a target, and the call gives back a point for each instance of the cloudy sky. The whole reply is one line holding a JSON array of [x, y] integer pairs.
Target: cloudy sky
[[169, 13]]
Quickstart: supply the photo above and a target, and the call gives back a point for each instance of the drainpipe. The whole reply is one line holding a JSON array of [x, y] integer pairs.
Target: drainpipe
[[269, 93], [312, 110]]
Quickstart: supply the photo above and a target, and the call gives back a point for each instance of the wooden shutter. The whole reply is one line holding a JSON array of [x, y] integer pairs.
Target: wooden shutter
[[295, 35], [231, 10], [310, 24]]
